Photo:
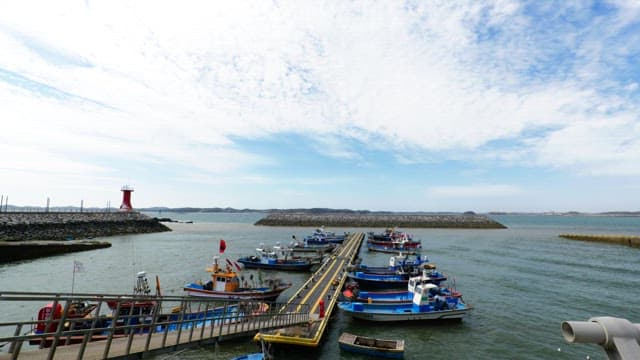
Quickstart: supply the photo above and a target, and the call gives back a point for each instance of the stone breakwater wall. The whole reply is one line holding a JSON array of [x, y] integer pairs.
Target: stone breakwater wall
[[63, 226], [21, 250], [628, 240], [453, 221]]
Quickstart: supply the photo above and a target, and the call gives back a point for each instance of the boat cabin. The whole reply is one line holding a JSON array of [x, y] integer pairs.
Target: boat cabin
[[425, 278], [222, 280], [400, 261]]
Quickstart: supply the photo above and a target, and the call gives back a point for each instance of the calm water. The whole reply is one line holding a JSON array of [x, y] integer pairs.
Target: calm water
[[523, 282]]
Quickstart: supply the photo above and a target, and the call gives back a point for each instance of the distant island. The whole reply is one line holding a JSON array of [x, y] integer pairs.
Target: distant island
[[161, 209], [570, 213]]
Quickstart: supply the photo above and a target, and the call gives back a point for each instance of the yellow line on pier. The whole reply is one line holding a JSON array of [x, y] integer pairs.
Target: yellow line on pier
[[331, 273]]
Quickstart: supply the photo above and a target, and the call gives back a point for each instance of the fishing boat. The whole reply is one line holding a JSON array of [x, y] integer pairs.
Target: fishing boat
[[226, 284], [278, 258], [422, 308], [353, 293], [399, 280], [394, 247], [403, 263], [305, 247], [391, 349], [389, 234], [137, 313], [320, 236]]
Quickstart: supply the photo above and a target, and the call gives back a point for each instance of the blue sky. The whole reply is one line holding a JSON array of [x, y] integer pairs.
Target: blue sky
[[380, 105]]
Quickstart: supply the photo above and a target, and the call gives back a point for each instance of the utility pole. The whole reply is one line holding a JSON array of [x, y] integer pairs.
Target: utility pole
[[47, 205]]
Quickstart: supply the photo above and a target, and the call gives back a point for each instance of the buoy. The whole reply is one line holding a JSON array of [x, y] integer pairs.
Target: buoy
[[321, 308]]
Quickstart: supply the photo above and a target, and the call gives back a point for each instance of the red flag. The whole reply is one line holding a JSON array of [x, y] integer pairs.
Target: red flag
[[223, 246]]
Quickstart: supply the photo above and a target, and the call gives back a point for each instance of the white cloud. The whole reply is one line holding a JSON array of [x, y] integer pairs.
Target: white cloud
[[92, 86], [473, 191]]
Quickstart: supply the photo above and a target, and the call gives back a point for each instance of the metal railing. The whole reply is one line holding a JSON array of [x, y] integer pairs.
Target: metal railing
[[137, 323]]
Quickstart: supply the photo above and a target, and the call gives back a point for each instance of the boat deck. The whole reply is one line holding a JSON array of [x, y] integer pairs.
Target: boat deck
[[320, 292]]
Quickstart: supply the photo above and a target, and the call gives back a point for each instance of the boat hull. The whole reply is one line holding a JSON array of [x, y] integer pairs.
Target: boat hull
[[285, 266], [388, 243], [264, 295], [378, 281], [386, 297], [390, 249], [388, 313], [390, 349]]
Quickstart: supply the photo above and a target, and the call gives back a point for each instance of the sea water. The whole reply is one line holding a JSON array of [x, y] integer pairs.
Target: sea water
[[522, 281]]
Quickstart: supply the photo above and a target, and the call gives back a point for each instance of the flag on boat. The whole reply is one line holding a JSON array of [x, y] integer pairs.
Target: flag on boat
[[223, 246], [237, 266], [78, 266]]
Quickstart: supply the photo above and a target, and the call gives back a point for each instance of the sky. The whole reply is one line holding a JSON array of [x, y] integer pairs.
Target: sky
[[378, 105]]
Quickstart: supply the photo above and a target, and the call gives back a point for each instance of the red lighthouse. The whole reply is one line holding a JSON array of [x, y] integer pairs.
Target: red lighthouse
[[126, 198]]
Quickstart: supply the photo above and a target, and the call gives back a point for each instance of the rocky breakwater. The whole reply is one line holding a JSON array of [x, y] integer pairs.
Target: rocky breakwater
[[32, 235], [454, 221]]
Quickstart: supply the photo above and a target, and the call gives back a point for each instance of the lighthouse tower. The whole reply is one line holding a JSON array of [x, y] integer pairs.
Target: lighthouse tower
[[126, 198]]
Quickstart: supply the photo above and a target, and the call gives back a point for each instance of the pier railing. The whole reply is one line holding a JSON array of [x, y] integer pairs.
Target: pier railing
[[120, 325]]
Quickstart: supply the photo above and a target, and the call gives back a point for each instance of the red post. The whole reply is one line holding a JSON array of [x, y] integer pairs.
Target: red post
[[321, 308]]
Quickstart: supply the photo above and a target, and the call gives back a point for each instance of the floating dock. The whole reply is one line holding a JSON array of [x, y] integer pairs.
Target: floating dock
[[320, 293]]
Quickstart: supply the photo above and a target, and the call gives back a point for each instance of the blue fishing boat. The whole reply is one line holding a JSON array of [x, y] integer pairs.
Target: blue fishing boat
[[422, 308], [353, 293], [278, 258], [399, 280], [403, 263], [391, 349]]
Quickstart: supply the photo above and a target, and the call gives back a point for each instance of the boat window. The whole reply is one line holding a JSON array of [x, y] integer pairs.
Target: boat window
[[221, 279]]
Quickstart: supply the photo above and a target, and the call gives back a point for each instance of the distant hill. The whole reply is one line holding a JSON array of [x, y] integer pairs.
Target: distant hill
[[297, 211], [569, 213], [13, 208]]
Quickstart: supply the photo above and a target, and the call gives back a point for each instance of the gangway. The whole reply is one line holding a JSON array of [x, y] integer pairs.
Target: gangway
[[130, 330]]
